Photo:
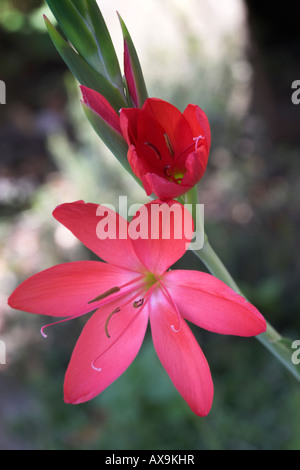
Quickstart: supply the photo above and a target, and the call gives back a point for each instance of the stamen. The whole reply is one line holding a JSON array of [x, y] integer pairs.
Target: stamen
[[170, 176], [55, 323], [118, 309], [169, 145], [133, 281], [166, 168], [155, 150], [116, 289], [147, 297], [169, 298], [108, 318], [98, 369], [174, 329], [109, 292], [197, 140]]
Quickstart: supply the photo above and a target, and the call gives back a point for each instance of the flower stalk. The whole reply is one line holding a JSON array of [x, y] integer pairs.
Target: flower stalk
[[280, 347]]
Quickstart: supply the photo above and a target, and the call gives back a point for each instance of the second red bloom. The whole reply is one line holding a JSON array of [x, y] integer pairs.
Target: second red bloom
[[168, 150]]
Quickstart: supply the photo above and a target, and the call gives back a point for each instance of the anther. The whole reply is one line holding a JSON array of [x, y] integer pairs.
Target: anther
[[105, 294], [169, 145], [108, 318], [138, 303], [155, 150], [166, 168], [169, 298]]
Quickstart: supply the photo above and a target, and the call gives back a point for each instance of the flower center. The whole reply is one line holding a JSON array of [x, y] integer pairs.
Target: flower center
[[175, 169], [139, 287], [142, 294], [173, 174], [149, 280]]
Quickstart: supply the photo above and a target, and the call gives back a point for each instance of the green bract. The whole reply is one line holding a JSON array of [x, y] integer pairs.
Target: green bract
[[88, 51]]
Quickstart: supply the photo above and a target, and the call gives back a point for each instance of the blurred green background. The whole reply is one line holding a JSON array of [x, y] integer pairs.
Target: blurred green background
[[234, 60]]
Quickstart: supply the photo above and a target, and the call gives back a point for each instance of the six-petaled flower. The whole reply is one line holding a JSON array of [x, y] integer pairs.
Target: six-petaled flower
[[132, 285]]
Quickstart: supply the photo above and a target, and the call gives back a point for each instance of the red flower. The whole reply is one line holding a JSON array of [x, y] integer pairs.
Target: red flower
[[132, 286], [168, 150]]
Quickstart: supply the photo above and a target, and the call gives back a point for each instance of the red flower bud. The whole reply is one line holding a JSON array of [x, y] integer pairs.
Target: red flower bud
[[168, 150]]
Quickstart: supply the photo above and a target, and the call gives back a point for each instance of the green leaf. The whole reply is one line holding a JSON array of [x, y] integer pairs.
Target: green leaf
[[108, 54], [135, 65], [84, 73], [77, 31], [80, 6]]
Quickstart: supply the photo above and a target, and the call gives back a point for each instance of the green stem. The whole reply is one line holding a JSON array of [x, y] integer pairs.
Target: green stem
[[280, 347], [217, 268]]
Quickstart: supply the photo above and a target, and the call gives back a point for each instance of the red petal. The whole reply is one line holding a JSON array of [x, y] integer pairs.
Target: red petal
[[212, 305], [171, 120], [198, 122], [181, 356], [101, 106], [162, 187], [87, 221], [128, 122], [112, 355], [195, 165], [138, 167], [150, 131], [160, 234], [165, 113], [65, 290]]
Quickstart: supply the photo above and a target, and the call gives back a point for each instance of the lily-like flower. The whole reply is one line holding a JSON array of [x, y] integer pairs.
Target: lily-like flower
[[168, 150], [131, 285]]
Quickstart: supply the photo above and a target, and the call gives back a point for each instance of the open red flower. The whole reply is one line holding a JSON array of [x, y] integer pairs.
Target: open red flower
[[132, 285], [168, 150]]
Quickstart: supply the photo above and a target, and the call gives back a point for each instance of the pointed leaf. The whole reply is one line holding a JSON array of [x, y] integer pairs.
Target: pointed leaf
[[133, 71], [108, 55], [77, 31], [84, 73], [80, 6]]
